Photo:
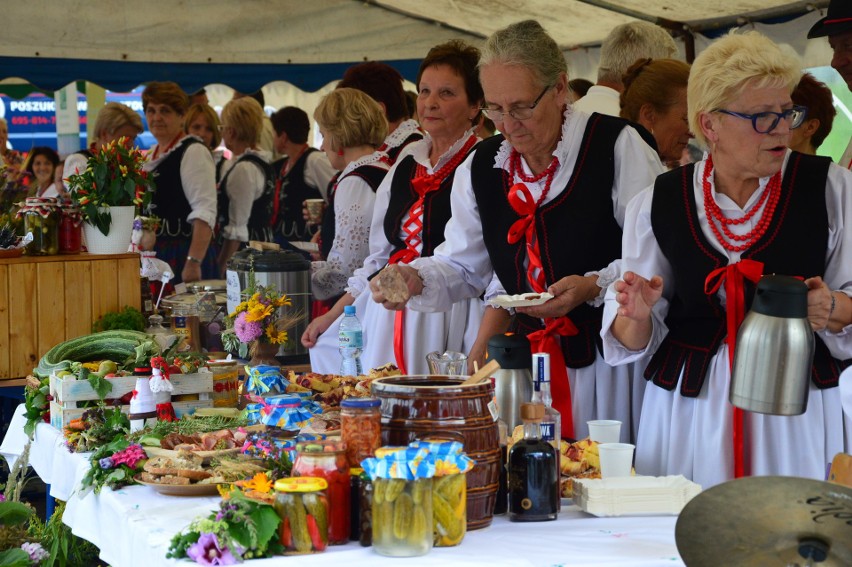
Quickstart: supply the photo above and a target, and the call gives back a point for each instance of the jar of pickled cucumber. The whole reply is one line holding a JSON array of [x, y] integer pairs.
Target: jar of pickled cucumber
[[302, 505], [402, 516], [41, 218]]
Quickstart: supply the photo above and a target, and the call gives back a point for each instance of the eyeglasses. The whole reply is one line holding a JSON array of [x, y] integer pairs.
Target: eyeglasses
[[518, 113], [766, 122]]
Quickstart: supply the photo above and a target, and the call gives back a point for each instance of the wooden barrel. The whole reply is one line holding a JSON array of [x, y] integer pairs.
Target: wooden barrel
[[417, 406]]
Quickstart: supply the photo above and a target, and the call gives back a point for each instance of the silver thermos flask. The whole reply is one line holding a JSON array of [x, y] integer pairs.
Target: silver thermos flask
[[775, 350], [513, 382]]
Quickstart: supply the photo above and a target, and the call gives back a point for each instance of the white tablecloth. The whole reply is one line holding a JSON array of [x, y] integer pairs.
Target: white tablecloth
[[133, 526]]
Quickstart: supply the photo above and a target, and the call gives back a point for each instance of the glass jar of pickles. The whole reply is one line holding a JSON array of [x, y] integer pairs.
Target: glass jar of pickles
[[302, 505], [402, 516], [449, 488], [402, 500], [360, 428], [41, 218], [70, 229], [327, 460]]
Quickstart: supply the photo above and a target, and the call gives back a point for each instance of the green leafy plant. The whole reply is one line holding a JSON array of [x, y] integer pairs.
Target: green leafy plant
[[113, 178], [64, 547], [242, 528], [129, 318], [8, 236], [113, 465]]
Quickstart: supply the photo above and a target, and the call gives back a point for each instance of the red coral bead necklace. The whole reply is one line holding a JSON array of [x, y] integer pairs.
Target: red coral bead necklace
[[715, 217]]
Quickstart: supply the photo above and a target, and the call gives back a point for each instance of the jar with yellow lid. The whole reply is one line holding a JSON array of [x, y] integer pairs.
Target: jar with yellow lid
[[326, 459], [302, 505], [41, 218]]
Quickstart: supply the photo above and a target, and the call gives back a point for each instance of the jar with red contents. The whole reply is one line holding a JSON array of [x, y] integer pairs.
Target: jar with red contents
[[70, 229], [360, 428], [327, 460]]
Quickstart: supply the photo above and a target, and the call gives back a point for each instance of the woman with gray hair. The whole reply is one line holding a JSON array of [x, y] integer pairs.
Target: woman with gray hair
[[115, 120], [526, 208], [751, 207]]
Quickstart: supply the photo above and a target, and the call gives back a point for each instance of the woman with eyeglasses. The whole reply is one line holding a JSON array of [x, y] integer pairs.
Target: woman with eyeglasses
[[539, 209], [694, 246]]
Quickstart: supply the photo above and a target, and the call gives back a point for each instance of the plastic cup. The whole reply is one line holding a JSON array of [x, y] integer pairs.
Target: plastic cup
[[604, 430], [616, 459], [315, 209]]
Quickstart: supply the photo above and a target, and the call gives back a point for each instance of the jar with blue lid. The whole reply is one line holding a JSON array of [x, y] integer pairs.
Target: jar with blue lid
[[360, 428]]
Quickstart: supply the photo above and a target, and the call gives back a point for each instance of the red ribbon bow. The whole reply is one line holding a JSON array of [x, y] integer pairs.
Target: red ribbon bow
[[544, 340], [525, 227], [734, 276]]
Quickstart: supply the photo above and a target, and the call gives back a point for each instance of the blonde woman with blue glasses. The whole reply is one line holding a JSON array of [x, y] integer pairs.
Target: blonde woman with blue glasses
[[694, 246]]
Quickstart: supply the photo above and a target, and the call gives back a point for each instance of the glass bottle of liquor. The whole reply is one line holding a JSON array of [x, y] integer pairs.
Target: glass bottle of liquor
[[533, 478], [551, 423]]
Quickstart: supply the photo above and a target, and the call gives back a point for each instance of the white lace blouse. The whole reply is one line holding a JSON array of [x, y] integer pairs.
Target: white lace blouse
[[354, 201]]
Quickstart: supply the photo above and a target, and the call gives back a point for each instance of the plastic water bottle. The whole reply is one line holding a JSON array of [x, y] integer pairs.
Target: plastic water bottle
[[350, 343]]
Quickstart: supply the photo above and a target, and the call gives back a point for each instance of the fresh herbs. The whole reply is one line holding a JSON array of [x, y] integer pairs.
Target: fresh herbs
[[113, 465], [190, 426], [129, 318], [36, 405], [241, 529], [98, 426]]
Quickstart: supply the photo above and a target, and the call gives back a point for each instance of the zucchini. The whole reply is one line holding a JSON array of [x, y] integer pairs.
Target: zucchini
[[117, 345]]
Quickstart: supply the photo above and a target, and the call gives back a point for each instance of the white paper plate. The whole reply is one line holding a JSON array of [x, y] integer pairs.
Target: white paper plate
[[520, 300], [306, 246]]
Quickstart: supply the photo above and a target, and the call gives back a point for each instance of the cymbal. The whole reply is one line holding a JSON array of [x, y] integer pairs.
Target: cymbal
[[765, 521]]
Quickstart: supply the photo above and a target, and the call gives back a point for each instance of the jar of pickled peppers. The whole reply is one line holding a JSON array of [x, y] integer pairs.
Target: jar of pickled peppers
[[70, 229], [41, 218], [326, 459], [302, 505]]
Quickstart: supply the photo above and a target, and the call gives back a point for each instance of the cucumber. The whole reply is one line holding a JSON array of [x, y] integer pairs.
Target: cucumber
[[149, 440], [117, 345]]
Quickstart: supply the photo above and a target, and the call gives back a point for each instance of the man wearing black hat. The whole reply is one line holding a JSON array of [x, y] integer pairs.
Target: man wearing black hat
[[837, 26]]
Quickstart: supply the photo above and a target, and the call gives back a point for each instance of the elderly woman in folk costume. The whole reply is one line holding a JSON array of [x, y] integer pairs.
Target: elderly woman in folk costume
[[185, 199], [412, 208], [540, 208], [751, 207]]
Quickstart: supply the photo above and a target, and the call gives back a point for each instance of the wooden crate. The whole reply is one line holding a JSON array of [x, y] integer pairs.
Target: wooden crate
[[67, 393], [46, 300]]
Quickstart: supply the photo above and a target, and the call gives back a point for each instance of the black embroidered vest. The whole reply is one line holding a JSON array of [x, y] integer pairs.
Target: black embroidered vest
[[261, 208], [436, 208], [292, 192], [577, 230], [794, 244], [170, 203], [372, 175]]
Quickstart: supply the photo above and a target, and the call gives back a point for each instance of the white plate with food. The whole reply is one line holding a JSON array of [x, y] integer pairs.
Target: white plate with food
[[306, 246], [520, 300]]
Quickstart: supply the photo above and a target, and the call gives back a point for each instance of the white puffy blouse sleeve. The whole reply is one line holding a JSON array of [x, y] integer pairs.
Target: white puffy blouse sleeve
[[641, 254], [838, 272], [198, 177], [244, 186], [354, 202]]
